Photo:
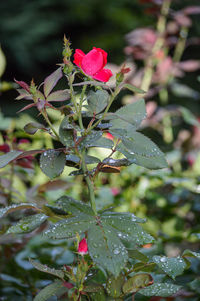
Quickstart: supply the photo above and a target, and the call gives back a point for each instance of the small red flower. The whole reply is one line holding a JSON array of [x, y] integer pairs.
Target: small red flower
[[83, 247], [93, 63]]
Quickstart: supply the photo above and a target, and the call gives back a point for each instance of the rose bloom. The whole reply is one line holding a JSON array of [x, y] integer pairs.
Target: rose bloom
[[93, 63], [83, 247]]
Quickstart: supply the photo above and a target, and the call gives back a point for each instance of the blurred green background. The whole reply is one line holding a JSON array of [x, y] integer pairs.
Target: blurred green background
[[31, 34]]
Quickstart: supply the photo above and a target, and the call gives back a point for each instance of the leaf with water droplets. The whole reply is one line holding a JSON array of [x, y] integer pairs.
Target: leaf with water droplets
[[54, 289], [66, 132], [44, 268], [114, 285], [97, 101], [135, 283], [139, 144], [102, 143], [12, 208], [52, 163], [106, 249], [148, 162], [160, 289], [129, 117], [69, 227], [172, 266], [28, 224], [91, 138], [126, 227], [189, 253], [71, 206]]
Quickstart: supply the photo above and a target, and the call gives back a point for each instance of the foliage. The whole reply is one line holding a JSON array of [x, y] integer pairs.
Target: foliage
[[128, 257]]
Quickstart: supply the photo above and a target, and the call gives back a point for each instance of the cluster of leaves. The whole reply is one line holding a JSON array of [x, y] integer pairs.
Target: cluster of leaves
[[123, 258]]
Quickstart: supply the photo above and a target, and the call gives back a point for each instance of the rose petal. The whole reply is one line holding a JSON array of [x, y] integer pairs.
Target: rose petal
[[78, 57], [104, 55], [92, 62], [103, 75]]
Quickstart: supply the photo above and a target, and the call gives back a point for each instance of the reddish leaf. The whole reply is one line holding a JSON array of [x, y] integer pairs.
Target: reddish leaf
[[27, 107], [51, 81], [24, 85], [60, 95]]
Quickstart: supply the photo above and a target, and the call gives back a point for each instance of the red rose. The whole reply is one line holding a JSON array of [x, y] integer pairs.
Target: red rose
[[83, 247], [93, 63]]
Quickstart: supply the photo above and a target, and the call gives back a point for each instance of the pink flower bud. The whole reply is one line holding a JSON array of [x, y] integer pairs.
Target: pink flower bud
[[83, 247]]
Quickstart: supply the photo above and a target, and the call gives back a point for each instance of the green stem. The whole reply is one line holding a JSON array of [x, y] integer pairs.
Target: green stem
[[44, 114], [70, 79], [89, 183], [82, 156], [80, 107]]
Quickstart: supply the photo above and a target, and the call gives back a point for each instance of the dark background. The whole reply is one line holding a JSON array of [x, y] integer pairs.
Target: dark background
[[31, 34]]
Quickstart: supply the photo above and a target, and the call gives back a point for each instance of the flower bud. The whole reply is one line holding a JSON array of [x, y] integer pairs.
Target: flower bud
[[83, 247]]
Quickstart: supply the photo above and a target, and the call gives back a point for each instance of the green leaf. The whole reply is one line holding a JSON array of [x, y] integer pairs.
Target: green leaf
[[7, 158], [188, 253], [15, 207], [135, 283], [32, 127], [173, 266], [195, 285], [129, 117], [73, 160], [144, 267], [138, 255], [72, 206], [106, 249], [148, 162], [28, 224], [46, 269], [55, 288], [51, 81], [114, 286], [91, 138], [102, 143], [133, 89], [126, 227], [69, 227], [97, 101], [160, 289], [66, 133], [141, 145], [52, 163], [99, 296]]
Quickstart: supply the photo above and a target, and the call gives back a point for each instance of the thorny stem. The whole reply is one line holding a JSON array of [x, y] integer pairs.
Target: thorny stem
[[70, 79], [44, 114], [82, 155]]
